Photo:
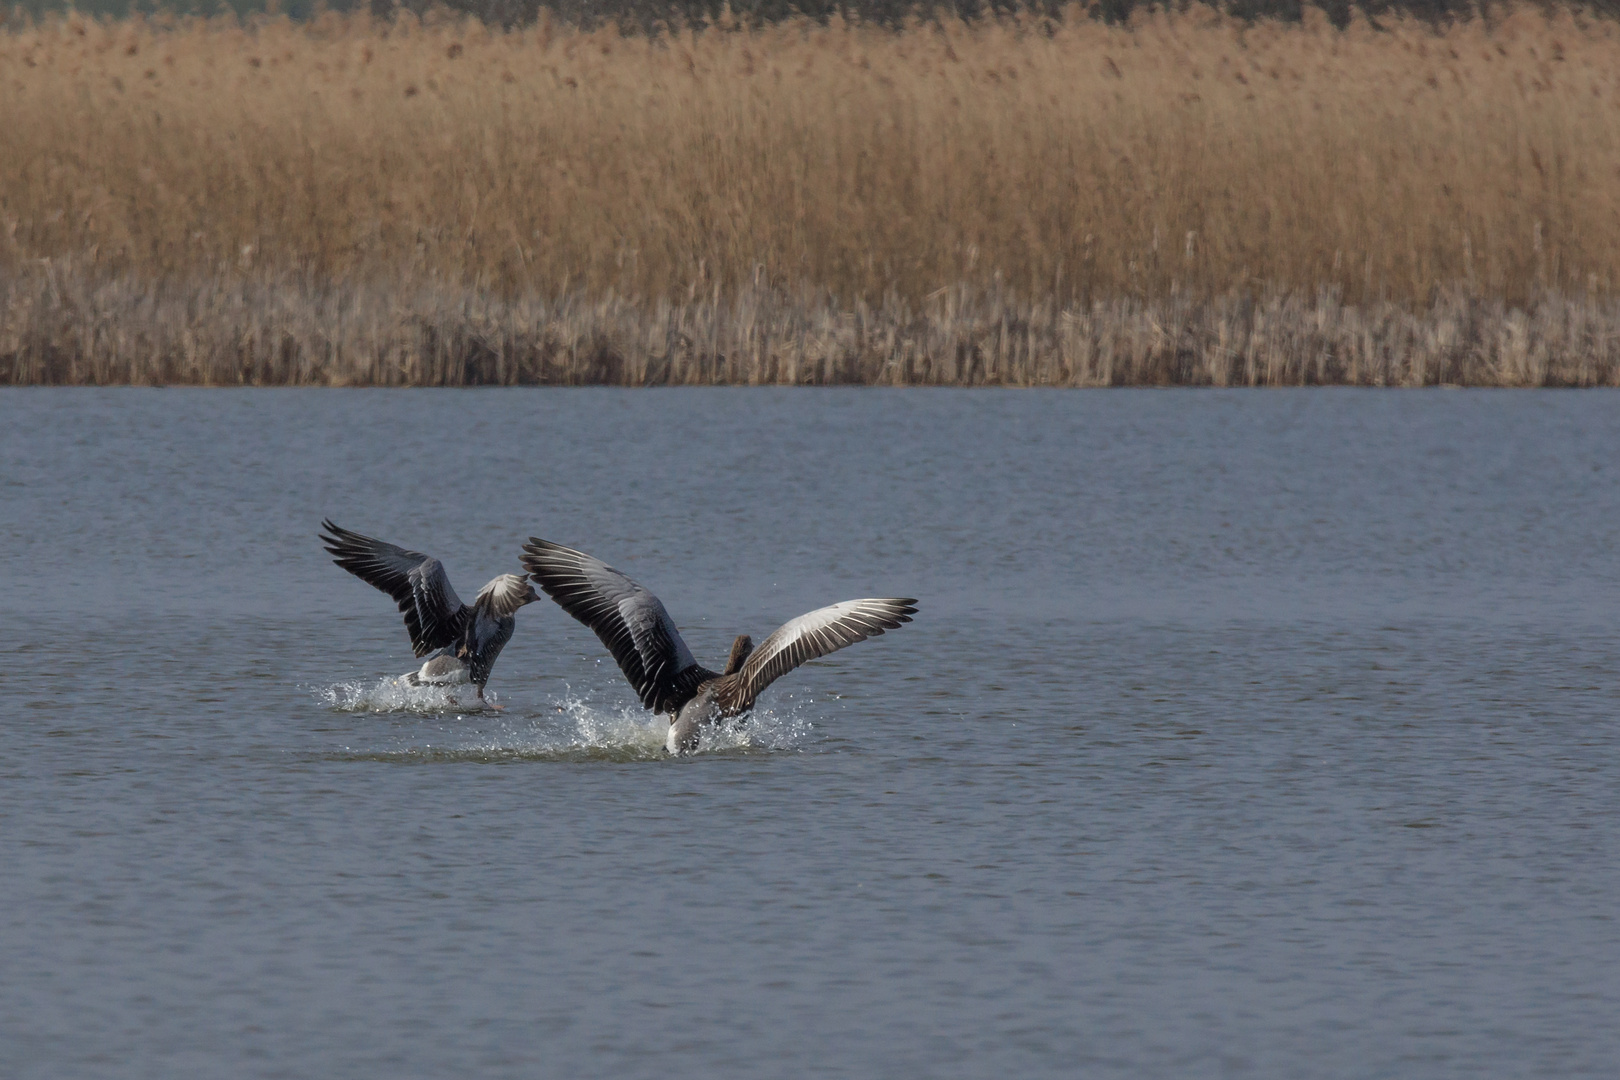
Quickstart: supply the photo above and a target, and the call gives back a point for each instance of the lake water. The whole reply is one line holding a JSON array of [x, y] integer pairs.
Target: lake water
[[1239, 734]]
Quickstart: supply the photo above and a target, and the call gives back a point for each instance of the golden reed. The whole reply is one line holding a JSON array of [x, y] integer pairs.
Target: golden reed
[[1184, 199]]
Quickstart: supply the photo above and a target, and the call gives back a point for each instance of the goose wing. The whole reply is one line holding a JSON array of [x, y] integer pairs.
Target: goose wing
[[434, 614], [631, 621], [823, 631]]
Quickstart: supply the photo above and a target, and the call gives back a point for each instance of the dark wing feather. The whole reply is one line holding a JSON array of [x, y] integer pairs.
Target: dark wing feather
[[816, 634], [629, 620], [434, 615]]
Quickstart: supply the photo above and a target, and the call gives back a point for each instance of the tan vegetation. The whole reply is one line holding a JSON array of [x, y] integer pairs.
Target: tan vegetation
[[57, 326], [210, 202]]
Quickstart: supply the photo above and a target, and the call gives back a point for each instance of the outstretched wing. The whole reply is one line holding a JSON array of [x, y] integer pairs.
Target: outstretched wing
[[823, 631], [631, 621], [434, 614]]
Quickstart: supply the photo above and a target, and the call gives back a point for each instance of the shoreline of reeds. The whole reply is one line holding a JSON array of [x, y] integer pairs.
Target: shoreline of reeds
[[59, 327], [1183, 199]]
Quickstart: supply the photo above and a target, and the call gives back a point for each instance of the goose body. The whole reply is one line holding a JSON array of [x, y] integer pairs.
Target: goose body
[[638, 631], [458, 642]]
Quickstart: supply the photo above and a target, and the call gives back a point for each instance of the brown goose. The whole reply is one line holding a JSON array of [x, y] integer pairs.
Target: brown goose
[[463, 639], [639, 633]]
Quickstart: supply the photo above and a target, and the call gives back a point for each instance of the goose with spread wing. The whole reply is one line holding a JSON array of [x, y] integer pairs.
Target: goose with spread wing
[[460, 641], [636, 629]]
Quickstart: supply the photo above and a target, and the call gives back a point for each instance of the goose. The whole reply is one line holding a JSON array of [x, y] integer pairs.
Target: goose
[[636, 629], [460, 641]]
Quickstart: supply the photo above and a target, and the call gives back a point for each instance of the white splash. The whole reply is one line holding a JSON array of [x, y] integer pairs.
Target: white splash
[[585, 727], [568, 730], [398, 695], [596, 728], [573, 728]]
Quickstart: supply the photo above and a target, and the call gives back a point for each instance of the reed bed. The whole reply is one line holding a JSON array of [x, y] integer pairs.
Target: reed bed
[[60, 327], [1180, 199]]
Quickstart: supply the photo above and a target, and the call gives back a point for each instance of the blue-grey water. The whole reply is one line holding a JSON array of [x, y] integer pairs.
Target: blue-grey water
[[1239, 734]]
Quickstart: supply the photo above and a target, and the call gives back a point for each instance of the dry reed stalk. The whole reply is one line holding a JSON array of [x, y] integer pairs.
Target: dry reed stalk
[[1067, 161], [61, 325]]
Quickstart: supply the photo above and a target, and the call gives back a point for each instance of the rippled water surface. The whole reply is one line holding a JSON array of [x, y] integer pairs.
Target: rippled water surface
[[1239, 734]]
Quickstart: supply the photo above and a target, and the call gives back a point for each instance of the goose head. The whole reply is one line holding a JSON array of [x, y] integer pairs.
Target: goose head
[[739, 653]]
